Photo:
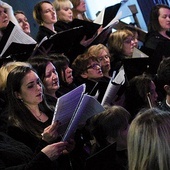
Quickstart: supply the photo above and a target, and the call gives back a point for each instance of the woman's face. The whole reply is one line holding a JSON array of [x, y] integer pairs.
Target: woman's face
[[65, 14], [4, 20], [31, 89], [67, 75], [81, 7], [51, 80], [93, 71], [164, 18], [104, 61], [23, 22], [128, 46], [48, 13]]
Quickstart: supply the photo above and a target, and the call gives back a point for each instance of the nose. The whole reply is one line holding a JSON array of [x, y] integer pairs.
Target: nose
[[55, 76]]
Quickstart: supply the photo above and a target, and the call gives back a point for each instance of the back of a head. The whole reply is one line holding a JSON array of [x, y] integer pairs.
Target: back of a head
[[136, 94], [163, 72], [109, 123], [148, 141]]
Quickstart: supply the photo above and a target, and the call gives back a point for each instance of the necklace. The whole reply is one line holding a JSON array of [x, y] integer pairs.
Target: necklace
[[39, 116]]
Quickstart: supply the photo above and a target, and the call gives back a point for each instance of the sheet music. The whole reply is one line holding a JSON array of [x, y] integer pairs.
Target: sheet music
[[113, 87], [18, 36], [88, 107], [66, 106]]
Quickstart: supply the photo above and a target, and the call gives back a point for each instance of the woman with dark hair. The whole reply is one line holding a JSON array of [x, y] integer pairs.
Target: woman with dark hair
[[61, 63], [158, 35], [29, 114], [49, 77], [109, 129], [140, 93]]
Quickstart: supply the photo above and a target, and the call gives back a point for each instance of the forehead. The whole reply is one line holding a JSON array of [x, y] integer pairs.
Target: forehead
[[20, 15], [66, 4], [1, 8], [45, 6], [29, 77], [164, 11], [49, 66]]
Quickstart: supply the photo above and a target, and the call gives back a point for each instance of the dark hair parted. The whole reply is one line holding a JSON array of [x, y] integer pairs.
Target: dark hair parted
[[60, 62], [19, 115], [154, 24]]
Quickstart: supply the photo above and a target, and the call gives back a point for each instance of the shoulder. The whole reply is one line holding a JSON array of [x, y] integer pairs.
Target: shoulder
[[42, 32]]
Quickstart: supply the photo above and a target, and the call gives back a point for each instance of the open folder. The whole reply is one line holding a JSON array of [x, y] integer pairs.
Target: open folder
[[16, 42], [73, 109], [61, 42]]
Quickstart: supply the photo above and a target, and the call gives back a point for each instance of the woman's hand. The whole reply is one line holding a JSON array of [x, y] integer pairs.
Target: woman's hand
[[54, 150], [50, 133]]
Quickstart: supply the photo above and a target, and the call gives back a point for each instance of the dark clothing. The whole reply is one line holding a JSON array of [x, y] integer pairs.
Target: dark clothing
[[76, 48], [65, 89], [17, 156], [51, 101], [62, 26], [94, 88], [42, 32], [164, 106], [27, 138], [156, 47], [108, 158]]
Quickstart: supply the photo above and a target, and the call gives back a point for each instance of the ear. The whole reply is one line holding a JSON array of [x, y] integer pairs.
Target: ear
[[84, 75], [167, 89], [17, 95], [110, 139]]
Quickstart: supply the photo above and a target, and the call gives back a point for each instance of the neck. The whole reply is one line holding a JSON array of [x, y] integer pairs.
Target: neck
[[51, 94], [163, 33], [49, 26]]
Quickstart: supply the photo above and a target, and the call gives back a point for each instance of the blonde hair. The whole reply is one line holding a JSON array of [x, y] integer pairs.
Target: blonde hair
[[95, 50], [59, 4], [149, 141], [5, 69]]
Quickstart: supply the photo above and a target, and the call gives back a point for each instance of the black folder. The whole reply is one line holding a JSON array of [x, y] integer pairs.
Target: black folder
[[110, 13], [135, 66], [102, 159], [89, 28], [61, 42]]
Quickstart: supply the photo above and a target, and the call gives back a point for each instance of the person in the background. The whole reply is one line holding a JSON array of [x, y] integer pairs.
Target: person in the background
[[23, 21], [44, 14], [121, 44], [140, 93], [48, 75], [163, 82], [79, 9], [102, 53], [6, 15], [64, 14], [109, 129], [158, 36], [148, 141], [62, 65]]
